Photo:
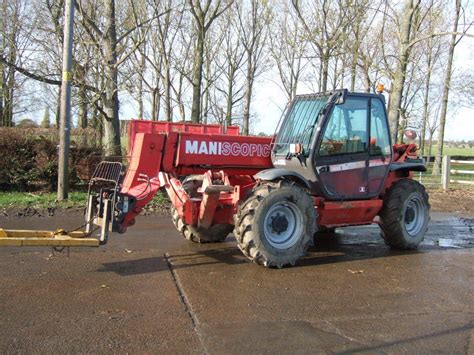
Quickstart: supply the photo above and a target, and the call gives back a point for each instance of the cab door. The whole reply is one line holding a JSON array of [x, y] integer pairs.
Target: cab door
[[380, 148], [342, 159]]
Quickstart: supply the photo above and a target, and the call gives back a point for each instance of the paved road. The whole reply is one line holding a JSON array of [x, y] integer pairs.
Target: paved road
[[149, 290]]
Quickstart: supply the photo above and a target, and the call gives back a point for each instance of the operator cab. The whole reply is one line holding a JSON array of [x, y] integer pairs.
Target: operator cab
[[338, 142]]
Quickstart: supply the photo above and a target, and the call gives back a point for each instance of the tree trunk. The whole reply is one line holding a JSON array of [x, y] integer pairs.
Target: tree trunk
[[140, 86], [206, 93], [367, 81], [140, 98], [430, 146], [167, 84], [82, 95], [156, 97], [10, 88], [230, 95], [355, 59], [58, 107], [2, 67], [444, 100], [206, 106], [179, 99], [334, 79], [426, 97], [82, 108], [111, 141], [197, 77], [248, 95], [8, 39], [154, 105], [398, 82], [324, 71], [8, 95], [1, 97]]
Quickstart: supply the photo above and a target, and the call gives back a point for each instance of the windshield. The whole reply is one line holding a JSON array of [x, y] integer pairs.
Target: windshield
[[299, 124]]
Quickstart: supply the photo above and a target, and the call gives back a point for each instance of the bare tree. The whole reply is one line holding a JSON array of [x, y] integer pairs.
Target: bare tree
[[253, 33], [110, 44], [230, 63], [288, 47], [168, 28], [398, 82], [447, 82], [9, 28], [204, 16], [432, 49], [326, 25]]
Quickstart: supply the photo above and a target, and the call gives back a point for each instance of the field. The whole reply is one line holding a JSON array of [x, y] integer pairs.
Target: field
[[454, 151]]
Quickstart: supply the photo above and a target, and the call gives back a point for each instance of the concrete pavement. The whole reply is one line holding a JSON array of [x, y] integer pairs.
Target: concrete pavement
[[151, 291]]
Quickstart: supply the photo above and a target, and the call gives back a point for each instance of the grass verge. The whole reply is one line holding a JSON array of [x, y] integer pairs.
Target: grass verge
[[40, 200], [46, 200]]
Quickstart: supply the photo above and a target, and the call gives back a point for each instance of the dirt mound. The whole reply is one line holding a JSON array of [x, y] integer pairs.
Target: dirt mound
[[459, 200]]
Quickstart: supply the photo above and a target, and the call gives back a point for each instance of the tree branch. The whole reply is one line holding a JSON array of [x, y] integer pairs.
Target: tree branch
[[44, 79], [86, 18], [141, 25]]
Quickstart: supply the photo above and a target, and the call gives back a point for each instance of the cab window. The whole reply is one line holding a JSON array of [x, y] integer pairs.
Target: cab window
[[379, 135], [346, 130]]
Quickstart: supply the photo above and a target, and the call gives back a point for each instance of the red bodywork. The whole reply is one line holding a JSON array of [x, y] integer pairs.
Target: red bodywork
[[161, 152]]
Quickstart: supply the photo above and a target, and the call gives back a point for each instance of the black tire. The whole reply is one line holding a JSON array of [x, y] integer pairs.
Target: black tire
[[174, 216], [326, 230], [405, 215], [214, 234], [258, 237]]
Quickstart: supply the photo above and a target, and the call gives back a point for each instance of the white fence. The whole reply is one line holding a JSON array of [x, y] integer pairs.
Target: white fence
[[464, 176], [454, 173]]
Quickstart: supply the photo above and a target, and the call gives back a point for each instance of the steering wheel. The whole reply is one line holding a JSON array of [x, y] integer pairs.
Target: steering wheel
[[328, 145]]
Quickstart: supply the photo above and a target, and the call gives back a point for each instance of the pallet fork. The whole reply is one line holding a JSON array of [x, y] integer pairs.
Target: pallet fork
[[60, 238], [102, 195]]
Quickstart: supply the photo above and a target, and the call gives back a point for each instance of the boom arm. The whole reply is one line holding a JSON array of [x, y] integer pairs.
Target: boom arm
[[160, 155]]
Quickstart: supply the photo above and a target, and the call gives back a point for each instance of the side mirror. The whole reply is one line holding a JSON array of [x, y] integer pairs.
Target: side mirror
[[295, 148], [410, 134]]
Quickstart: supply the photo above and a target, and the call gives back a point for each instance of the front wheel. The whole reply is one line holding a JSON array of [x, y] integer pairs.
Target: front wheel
[[405, 215], [275, 225], [214, 234]]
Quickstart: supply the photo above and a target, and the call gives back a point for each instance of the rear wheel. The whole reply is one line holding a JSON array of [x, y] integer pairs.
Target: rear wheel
[[326, 230], [213, 234], [275, 224], [405, 215]]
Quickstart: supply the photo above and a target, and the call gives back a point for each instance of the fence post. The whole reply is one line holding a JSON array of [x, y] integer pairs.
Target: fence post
[[445, 170]]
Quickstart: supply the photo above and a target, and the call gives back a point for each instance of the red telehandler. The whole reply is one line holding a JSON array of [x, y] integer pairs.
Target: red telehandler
[[331, 164]]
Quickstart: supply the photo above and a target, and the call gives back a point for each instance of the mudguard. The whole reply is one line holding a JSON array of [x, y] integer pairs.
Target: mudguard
[[276, 173], [408, 166]]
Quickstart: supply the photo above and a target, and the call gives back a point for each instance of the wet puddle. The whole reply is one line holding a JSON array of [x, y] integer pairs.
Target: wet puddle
[[444, 231]]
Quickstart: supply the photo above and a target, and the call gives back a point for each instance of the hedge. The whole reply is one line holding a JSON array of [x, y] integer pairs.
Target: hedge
[[29, 161]]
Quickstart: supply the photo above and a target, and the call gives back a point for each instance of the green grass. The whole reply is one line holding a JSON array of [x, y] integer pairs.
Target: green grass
[[468, 152], [430, 180], [458, 151], [40, 200], [45, 200], [160, 198]]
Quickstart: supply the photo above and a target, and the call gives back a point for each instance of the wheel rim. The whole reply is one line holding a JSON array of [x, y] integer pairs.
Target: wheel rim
[[414, 217], [283, 225]]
